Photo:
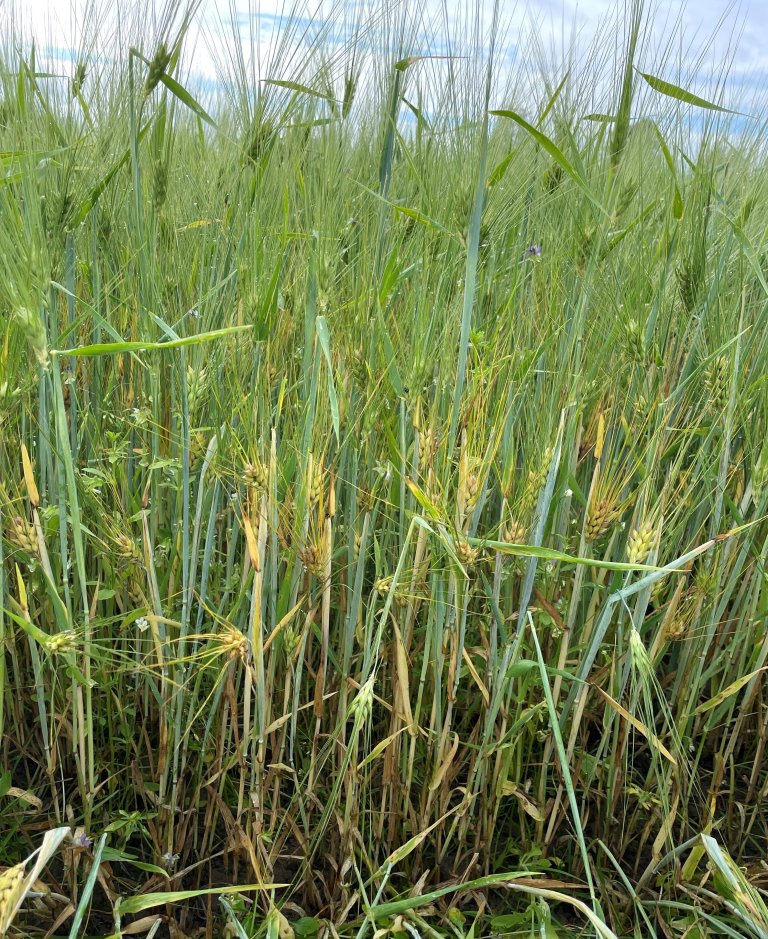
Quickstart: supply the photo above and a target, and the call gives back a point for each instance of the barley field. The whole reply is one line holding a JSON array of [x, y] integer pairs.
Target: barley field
[[383, 482]]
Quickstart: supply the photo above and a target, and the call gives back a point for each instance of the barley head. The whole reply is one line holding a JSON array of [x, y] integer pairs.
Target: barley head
[[256, 475], [472, 486], [127, 549], [234, 643], [312, 557], [635, 341], [159, 184], [466, 554], [33, 329], [157, 67], [760, 475], [600, 516], [514, 532], [78, 79], [716, 377], [62, 643], [640, 542], [22, 534], [11, 891], [426, 447]]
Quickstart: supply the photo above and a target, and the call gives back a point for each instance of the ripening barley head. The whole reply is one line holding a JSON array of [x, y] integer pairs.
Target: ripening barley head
[[11, 892], [256, 475], [23, 535], [640, 542], [601, 514]]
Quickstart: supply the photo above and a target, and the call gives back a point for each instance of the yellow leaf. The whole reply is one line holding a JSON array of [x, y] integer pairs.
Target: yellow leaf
[[475, 675], [401, 660], [253, 547], [638, 725], [730, 690], [530, 807], [444, 766], [600, 436], [29, 478], [200, 223]]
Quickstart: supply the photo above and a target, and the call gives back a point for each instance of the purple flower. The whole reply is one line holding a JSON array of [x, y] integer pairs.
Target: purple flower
[[170, 860], [81, 840], [533, 251]]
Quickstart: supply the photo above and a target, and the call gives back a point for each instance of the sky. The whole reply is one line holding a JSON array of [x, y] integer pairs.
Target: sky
[[702, 35]]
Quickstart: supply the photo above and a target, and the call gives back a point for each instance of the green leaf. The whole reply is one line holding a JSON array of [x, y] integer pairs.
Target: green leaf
[[420, 217], [555, 152], [323, 335], [553, 99], [114, 348], [549, 554], [146, 901], [417, 113], [680, 94], [85, 896], [677, 206], [497, 173], [185, 97], [112, 855], [92, 198], [394, 907], [302, 89], [306, 926]]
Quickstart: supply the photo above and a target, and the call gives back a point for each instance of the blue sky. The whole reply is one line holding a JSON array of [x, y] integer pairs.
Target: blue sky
[[680, 33]]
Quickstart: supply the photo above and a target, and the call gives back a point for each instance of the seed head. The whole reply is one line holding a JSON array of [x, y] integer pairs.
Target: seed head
[[234, 643], [760, 475], [359, 367], [316, 487], [472, 490], [157, 68], [312, 557], [716, 378], [197, 447], [635, 340], [256, 475], [127, 549], [427, 448], [600, 516], [383, 584], [466, 554], [63, 642], [32, 327], [639, 654], [363, 703], [197, 379], [11, 891], [640, 542], [159, 184], [21, 533], [514, 532], [78, 79]]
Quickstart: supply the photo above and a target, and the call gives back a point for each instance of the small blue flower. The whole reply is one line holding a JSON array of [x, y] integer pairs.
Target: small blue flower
[[533, 251], [170, 860]]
